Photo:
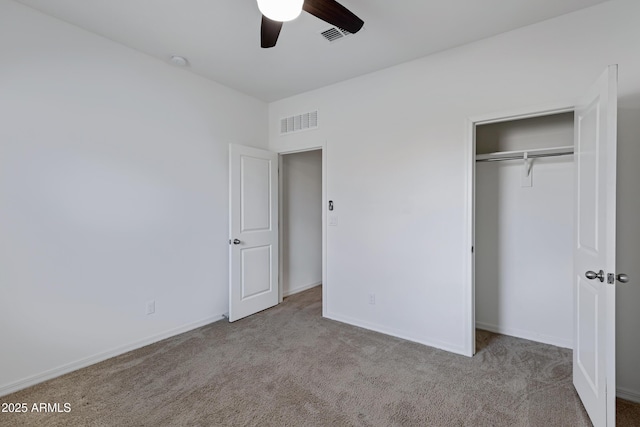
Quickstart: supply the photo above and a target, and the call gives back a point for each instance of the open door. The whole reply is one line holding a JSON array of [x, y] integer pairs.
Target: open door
[[253, 231], [594, 369]]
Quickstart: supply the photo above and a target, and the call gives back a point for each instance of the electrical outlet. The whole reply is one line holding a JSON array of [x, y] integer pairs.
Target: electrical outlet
[[151, 307], [372, 299]]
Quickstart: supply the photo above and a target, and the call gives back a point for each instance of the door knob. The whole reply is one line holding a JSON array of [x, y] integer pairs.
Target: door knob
[[593, 275], [236, 242], [622, 278]]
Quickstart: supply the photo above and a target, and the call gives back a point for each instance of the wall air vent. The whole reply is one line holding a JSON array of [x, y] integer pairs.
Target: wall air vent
[[334, 33], [299, 122]]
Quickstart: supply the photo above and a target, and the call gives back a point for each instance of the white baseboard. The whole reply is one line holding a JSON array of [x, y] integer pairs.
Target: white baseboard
[[527, 335], [301, 289], [83, 363], [395, 333], [626, 394]]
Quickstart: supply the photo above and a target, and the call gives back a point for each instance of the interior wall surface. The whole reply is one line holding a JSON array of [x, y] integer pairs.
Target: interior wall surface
[[524, 234], [628, 254], [301, 220], [113, 194], [398, 165]]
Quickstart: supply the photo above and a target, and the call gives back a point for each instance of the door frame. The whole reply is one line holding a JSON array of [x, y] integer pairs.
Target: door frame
[[470, 202], [323, 148]]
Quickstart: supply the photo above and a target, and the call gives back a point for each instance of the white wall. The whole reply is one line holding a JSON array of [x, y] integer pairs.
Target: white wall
[[301, 219], [628, 254], [397, 164], [113, 192], [524, 235]]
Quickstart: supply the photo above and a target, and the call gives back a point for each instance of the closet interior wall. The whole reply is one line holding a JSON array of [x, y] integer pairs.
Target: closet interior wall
[[523, 244]]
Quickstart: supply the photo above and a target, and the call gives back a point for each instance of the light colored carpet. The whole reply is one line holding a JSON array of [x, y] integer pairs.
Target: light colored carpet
[[288, 366]]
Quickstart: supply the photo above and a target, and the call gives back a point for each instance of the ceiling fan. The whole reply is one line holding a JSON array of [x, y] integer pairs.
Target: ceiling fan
[[276, 12]]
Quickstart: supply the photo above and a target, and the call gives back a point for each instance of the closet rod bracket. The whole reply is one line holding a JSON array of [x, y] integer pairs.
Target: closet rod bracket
[[527, 164]]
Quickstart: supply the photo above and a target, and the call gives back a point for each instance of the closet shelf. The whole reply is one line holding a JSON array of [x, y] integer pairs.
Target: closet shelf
[[525, 154]]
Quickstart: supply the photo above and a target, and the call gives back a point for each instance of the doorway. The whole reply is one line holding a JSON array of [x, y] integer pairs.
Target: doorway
[[301, 221], [521, 218], [524, 228], [255, 231]]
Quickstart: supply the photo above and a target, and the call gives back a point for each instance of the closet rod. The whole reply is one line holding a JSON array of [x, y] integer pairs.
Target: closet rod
[[530, 156]]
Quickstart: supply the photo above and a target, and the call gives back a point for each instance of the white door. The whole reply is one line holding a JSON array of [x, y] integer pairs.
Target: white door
[[594, 372], [253, 231]]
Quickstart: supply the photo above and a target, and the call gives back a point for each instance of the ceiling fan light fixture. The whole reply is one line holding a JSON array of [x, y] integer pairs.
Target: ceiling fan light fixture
[[280, 10]]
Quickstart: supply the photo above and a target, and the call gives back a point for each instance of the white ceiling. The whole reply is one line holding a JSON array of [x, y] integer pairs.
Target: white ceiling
[[221, 38]]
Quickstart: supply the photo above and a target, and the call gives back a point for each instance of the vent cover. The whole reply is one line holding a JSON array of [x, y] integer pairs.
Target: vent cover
[[299, 122], [334, 33]]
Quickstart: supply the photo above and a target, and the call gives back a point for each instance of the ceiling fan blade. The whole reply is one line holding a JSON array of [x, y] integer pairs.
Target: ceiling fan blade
[[269, 32], [334, 13]]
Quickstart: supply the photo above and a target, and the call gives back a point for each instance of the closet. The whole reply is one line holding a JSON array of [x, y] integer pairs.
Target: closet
[[523, 228]]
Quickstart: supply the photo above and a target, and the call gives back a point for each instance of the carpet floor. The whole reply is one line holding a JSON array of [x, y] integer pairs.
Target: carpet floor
[[288, 366]]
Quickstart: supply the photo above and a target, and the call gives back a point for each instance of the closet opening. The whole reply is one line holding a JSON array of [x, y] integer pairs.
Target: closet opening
[[523, 225], [301, 221]]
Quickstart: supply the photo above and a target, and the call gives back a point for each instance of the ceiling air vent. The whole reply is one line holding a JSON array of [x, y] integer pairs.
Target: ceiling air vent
[[299, 122], [334, 33]]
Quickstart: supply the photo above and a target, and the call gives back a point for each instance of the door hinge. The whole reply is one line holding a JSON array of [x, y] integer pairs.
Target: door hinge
[[471, 249], [611, 279]]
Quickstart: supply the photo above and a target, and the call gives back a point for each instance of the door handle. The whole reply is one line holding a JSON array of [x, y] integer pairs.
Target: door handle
[[593, 275], [236, 242], [622, 278]]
